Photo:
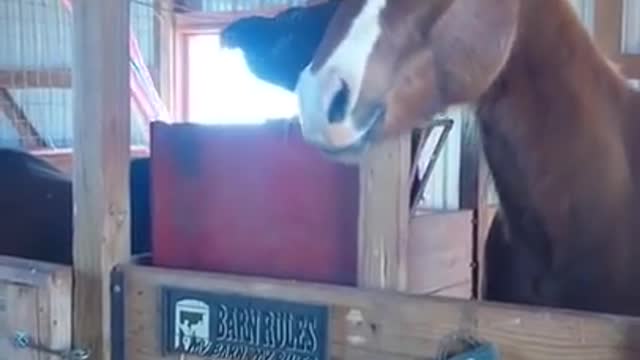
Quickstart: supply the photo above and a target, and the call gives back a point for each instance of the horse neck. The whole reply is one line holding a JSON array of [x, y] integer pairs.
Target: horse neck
[[556, 126]]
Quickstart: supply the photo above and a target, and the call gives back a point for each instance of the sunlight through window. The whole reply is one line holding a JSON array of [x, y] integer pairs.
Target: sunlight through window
[[222, 89]]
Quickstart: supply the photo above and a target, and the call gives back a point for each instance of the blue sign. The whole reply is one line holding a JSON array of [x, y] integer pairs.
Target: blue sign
[[234, 327]]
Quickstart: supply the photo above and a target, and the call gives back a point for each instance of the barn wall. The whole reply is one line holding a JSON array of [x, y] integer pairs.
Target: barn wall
[[36, 35]]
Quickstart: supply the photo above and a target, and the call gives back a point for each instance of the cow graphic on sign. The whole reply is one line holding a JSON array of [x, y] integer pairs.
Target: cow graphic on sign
[[192, 324]]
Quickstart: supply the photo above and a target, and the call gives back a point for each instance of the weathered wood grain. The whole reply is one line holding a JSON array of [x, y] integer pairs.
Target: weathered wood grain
[[375, 324]]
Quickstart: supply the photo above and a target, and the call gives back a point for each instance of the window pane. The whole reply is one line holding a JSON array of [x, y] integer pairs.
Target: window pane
[[223, 90]]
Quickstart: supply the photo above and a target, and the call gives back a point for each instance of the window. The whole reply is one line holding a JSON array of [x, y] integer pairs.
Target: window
[[222, 90]]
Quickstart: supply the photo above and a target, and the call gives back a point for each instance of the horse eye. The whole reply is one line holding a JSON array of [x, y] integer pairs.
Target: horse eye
[[338, 106]]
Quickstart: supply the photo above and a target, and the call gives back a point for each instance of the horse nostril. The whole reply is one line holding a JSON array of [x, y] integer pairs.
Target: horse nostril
[[338, 106]]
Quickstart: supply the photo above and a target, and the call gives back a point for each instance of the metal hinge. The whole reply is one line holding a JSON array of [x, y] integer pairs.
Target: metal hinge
[[22, 340]]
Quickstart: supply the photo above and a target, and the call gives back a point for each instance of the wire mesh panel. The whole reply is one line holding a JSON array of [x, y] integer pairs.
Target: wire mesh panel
[[36, 67]]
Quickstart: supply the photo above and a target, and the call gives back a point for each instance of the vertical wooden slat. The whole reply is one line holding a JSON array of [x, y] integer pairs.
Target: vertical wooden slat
[[54, 312], [101, 155], [22, 315], [384, 215]]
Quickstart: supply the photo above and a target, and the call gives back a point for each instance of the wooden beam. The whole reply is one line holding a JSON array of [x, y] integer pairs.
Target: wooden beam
[[18, 79], [30, 138], [101, 117], [384, 215]]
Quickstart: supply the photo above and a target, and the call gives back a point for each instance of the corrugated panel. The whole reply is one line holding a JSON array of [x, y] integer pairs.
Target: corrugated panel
[[8, 135], [631, 27], [51, 113], [37, 35], [142, 21], [246, 5]]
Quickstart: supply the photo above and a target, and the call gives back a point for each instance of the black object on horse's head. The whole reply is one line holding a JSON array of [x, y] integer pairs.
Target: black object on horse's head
[[277, 49]]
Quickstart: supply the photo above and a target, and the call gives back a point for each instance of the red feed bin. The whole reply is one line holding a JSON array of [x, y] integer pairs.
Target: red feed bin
[[252, 200]]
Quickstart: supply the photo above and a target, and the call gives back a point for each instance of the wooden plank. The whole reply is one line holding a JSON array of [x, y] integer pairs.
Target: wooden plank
[[21, 315], [55, 311], [101, 164], [374, 324], [35, 298], [384, 215], [30, 272], [440, 253], [25, 79]]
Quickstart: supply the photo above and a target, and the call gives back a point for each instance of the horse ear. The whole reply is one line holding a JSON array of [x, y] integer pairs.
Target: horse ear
[[471, 43]]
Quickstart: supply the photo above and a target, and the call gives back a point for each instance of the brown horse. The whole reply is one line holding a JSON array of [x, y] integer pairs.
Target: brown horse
[[559, 128]]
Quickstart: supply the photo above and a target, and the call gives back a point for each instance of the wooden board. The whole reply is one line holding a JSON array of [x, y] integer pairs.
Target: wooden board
[[440, 253], [374, 324], [35, 298]]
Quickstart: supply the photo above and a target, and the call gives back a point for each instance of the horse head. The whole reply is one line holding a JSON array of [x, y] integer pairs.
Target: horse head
[[384, 66]]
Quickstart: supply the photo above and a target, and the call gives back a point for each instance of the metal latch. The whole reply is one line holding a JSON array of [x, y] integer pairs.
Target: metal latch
[[466, 347], [482, 352], [23, 340]]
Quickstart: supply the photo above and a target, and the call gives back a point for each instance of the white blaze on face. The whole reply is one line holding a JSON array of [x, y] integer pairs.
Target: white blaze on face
[[347, 63]]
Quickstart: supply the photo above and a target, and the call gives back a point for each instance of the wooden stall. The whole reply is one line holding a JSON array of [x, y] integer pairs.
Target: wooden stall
[[150, 305], [35, 308]]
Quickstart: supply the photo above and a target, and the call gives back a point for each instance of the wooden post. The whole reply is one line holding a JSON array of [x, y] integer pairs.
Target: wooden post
[[101, 104], [384, 216]]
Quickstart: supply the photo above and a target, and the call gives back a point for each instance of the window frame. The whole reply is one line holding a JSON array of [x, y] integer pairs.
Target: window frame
[[188, 25]]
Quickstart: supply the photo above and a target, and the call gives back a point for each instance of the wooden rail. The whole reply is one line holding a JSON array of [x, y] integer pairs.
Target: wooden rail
[[35, 300], [370, 324]]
